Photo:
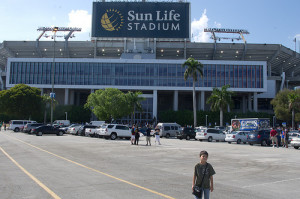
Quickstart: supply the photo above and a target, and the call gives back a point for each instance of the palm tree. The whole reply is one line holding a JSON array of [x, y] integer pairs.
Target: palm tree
[[134, 102], [193, 69], [294, 101], [46, 100], [220, 99]]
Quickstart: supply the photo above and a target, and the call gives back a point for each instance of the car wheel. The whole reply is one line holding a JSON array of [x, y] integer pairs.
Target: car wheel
[[296, 147], [60, 133], [113, 136], [238, 141], [17, 129], [167, 135], [188, 137], [250, 144], [263, 143], [39, 134], [200, 140], [229, 142], [209, 139]]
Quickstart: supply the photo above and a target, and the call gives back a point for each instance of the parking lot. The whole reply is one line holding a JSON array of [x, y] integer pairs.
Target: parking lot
[[70, 166]]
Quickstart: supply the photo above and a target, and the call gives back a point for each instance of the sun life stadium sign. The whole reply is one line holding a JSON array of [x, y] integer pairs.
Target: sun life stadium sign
[[141, 19]]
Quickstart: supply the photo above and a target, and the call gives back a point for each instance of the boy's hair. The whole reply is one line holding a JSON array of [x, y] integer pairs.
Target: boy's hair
[[203, 153]]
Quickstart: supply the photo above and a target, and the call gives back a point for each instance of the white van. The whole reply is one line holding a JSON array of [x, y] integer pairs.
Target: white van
[[62, 122], [16, 125], [97, 123], [168, 129]]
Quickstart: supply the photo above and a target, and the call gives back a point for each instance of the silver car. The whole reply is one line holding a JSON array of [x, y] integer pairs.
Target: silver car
[[237, 136], [295, 142]]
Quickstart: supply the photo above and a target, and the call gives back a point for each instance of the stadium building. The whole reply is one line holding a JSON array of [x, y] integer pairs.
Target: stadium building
[[144, 52]]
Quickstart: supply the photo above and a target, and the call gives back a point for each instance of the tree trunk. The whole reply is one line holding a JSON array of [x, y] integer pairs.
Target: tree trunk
[[221, 117], [194, 105], [293, 118]]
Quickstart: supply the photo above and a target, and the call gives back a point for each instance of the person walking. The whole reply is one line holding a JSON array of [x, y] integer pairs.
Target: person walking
[[286, 138], [203, 177], [157, 136], [282, 136], [4, 126], [133, 134], [273, 135], [137, 136], [148, 134]]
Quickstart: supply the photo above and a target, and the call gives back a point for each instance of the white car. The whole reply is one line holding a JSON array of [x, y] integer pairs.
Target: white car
[[210, 134], [74, 130], [295, 142], [113, 131], [237, 136]]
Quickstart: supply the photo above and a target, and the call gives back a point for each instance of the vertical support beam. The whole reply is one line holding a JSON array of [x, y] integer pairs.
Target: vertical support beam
[[42, 91], [255, 102], [202, 100], [175, 101], [228, 108], [95, 48], [154, 43], [198, 99], [155, 104], [244, 104], [77, 98], [269, 70], [72, 97], [184, 52], [66, 96], [125, 45], [249, 102]]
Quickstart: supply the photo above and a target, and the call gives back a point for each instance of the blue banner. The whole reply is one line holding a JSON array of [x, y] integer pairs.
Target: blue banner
[[141, 19]]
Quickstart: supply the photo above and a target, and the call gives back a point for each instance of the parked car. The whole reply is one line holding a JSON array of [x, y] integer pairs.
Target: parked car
[[62, 123], [186, 133], [237, 136], [261, 137], [168, 129], [74, 129], [27, 128], [90, 131], [81, 130], [210, 134], [113, 131], [293, 134], [47, 129], [295, 142], [16, 125]]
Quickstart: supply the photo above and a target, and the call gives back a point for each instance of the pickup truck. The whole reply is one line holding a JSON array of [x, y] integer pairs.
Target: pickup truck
[[39, 131], [114, 131]]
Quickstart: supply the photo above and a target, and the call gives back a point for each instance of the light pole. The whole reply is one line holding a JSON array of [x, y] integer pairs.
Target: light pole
[[206, 120], [235, 116], [55, 29], [66, 115]]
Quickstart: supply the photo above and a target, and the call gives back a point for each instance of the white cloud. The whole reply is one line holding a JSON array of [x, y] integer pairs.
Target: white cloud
[[198, 34], [80, 19]]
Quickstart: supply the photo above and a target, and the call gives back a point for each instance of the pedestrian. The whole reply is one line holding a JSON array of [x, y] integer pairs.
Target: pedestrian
[[286, 138], [148, 134], [203, 176], [133, 134], [157, 136], [282, 135], [273, 136], [4, 126], [137, 136]]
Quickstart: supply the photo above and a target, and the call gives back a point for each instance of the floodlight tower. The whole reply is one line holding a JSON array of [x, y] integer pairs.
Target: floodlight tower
[[69, 35]]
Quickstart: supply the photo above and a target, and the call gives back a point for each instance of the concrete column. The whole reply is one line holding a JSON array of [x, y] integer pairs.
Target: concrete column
[[198, 99], [71, 97], [175, 101], [202, 100], [244, 104], [269, 70], [249, 102], [228, 108], [66, 96], [155, 104], [255, 102], [42, 91]]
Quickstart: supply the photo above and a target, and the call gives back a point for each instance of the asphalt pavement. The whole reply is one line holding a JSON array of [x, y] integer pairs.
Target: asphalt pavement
[[75, 167]]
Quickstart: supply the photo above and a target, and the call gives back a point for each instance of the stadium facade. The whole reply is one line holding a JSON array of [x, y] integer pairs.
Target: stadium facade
[[255, 72]]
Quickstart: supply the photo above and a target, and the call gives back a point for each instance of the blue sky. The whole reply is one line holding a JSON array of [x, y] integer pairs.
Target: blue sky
[[268, 21]]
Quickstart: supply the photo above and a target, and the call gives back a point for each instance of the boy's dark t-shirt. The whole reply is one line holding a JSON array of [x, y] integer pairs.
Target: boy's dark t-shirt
[[199, 171]]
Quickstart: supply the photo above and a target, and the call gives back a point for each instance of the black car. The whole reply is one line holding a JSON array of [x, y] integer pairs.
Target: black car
[[261, 137], [81, 130], [186, 133], [46, 129], [28, 127]]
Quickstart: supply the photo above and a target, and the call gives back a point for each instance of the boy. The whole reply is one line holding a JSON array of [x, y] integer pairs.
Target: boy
[[200, 169]]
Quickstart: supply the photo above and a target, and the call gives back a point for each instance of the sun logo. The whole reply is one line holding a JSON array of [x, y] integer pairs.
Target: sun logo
[[112, 20]]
